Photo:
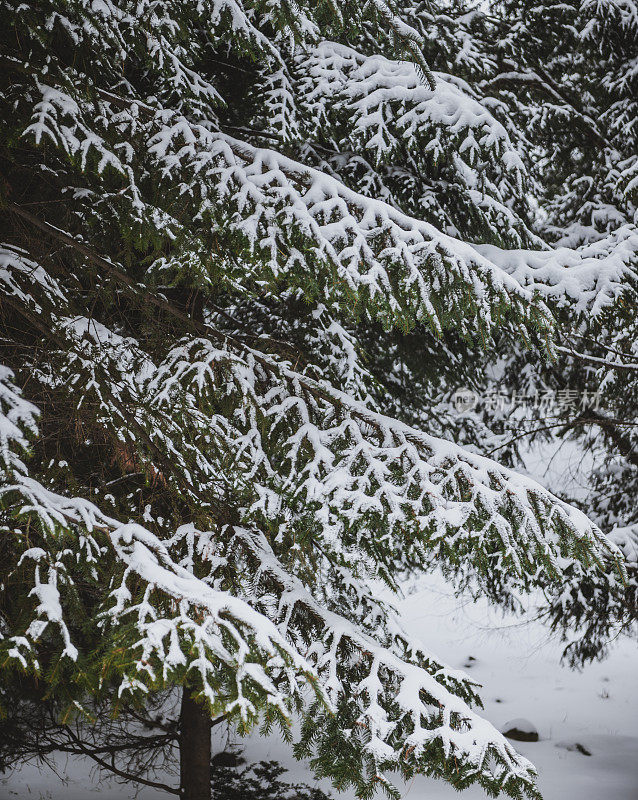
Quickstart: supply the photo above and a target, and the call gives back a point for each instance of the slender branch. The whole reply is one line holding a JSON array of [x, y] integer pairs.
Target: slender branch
[[593, 419], [246, 129], [127, 776], [539, 79], [137, 744], [569, 351], [606, 347], [609, 426], [530, 433], [273, 137]]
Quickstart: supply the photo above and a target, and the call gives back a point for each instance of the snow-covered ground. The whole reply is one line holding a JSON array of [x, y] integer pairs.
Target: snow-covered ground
[[518, 665]]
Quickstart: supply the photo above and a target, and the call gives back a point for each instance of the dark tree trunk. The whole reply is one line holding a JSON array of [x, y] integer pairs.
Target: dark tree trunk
[[194, 750]]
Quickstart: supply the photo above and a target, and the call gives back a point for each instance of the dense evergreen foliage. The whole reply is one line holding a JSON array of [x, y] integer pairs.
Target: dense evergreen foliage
[[233, 779], [249, 250], [569, 77]]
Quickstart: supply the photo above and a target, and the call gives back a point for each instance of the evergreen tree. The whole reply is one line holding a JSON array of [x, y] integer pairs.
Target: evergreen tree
[[567, 74], [234, 254]]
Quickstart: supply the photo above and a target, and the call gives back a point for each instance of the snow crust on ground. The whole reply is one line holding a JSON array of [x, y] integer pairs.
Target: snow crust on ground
[[518, 666]]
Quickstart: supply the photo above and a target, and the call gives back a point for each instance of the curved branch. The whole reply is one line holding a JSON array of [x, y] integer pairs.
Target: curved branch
[[127, 776], [569, 351], [540, 80]]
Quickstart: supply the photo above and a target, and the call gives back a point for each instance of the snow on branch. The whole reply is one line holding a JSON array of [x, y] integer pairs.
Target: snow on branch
[[327, 458], [301, 224], [401, 703], [204, 629], [396, 266], [589, 278], [182, 623], [371, 256], [26, 281], [626, 539], [311, 230], [386, 104], [346, 469], [18, 420]]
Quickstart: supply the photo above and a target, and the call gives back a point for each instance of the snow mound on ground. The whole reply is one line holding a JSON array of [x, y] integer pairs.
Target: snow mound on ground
[[520, 729]]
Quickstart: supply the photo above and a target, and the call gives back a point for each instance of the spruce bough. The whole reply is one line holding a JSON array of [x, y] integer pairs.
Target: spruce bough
[[211, 224]]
